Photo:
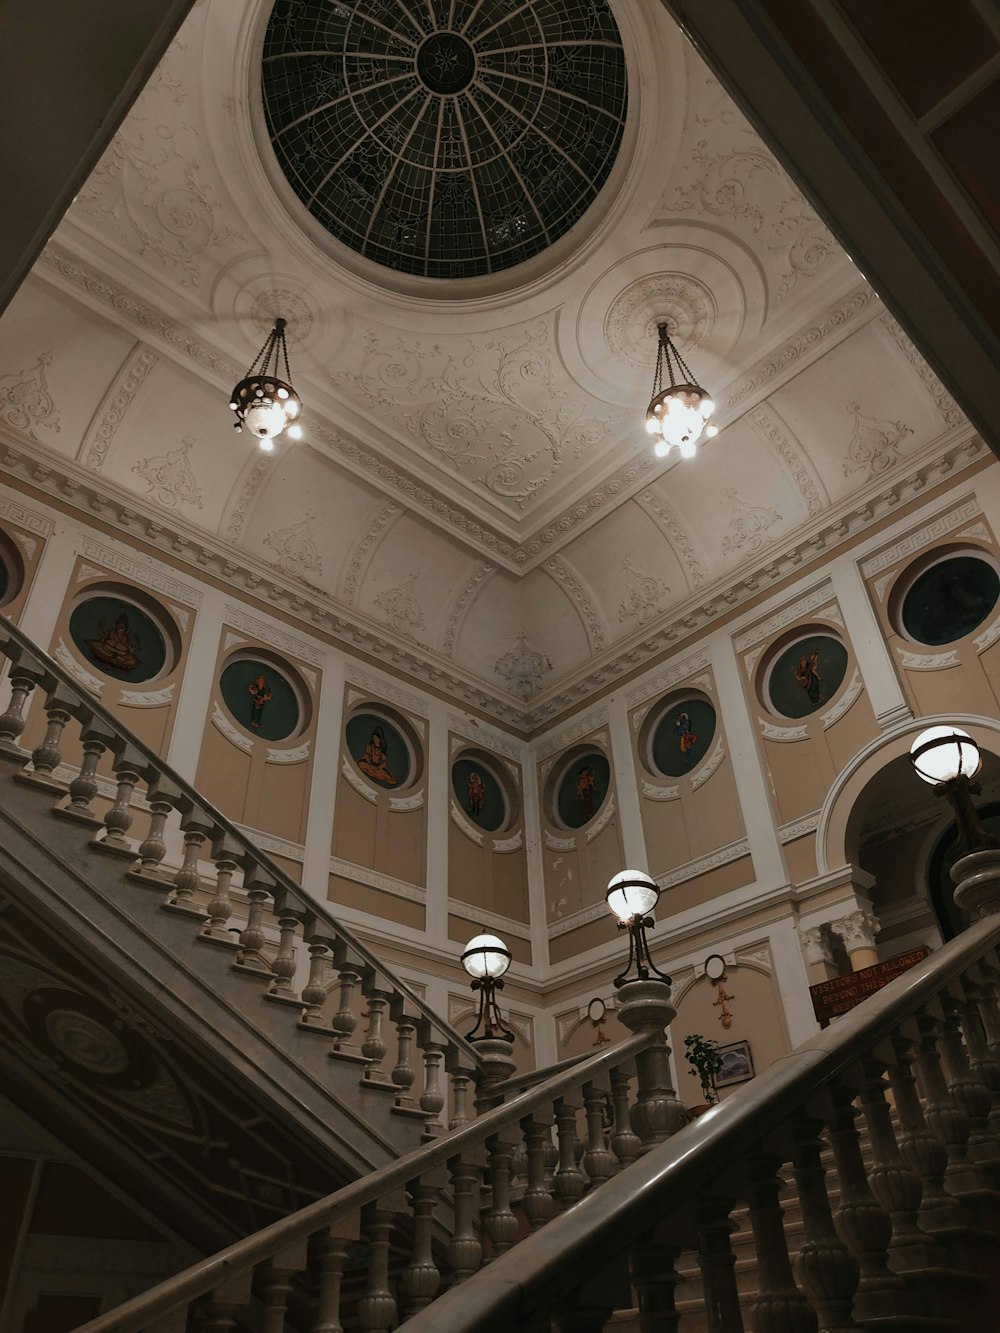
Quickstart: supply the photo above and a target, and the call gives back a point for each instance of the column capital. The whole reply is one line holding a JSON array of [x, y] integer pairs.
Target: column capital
[[817, 945], [857, 930]]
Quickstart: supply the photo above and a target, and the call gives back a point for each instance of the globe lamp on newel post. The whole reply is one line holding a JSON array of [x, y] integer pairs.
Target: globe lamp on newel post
[[486, 958]]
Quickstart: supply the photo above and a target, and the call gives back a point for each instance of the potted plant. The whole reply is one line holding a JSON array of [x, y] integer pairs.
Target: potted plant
[[705, 1061]]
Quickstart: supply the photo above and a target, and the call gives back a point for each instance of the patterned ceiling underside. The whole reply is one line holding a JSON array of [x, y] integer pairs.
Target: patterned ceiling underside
[[447, 139]]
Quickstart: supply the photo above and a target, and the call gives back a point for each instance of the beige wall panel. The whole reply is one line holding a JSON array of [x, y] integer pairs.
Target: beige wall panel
[[224, 775], [461, 929], [292, 868], [478, 874], [355, 826], [467, 882], [801, 773], [852, 732], [563, 888], [703, 888], [800, 857], [579, 1036], [665, 831], [591, 936], [405, 846], [961, 689], [716, 818], [364, 898], [510, 885], [757, 1015]]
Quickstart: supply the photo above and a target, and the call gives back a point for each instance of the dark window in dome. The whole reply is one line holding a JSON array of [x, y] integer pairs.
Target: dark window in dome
[[950, 599], [449, 138]]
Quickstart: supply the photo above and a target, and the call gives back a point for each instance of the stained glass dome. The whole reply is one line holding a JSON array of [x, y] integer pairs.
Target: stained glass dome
[[445, 138]]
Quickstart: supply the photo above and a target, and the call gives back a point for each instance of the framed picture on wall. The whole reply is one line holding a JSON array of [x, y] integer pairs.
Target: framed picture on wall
[[737, 1064]]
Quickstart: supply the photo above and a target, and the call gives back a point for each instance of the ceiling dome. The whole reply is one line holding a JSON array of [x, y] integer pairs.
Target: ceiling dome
[[445, 138]]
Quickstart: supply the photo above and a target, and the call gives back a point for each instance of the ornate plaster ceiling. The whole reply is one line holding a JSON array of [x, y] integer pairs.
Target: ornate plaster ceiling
[[475, 499]]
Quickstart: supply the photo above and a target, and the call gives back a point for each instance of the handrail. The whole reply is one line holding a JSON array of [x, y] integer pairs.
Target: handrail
[[10, 635], [521, 1082], [586, 1237], [205, 1276]]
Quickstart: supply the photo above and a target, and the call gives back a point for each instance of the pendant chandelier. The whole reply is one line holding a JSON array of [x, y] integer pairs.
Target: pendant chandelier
[[680, 410], [263, 402]]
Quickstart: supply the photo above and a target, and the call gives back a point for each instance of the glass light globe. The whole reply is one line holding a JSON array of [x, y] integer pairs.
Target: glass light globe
[[661, 448], [952, 753], [486, 956], [711, 431], [688, 448], [294, 432], [265, 419], [632, 894]]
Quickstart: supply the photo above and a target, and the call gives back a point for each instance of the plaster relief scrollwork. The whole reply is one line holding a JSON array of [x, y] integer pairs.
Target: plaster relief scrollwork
[[117, 401], [874, 445], [464, 826], [748, 526], [798, 828], [930, 661], [27, 544], [219, 719], [400, 607], [643, 593], [169, 477], [79, 673], [584, 726], [282, 303], [461, 605], [414, 802], [363, 548], [511, 844], [684, 304], [710, 765], [772, 732], [355, 780], [846, 700], [147, 698], [25, 401], [755, 955], [988, 637], [297, 756], [294, 547], [703, 864], [523, 669], [583, 601], [555, 844], [602, 821], [250, 483], [654, 793], [951, 413], [375, 687]]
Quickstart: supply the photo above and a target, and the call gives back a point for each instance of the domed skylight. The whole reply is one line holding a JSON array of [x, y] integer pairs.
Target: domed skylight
[[446, 138]]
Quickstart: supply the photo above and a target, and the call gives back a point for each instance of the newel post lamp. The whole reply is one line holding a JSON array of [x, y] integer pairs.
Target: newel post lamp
[[486, 959], [631, 897], [948, 758]]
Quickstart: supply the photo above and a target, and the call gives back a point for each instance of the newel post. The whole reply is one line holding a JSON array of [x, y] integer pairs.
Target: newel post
[[495, 1066], [977, 882], [645, 1006]]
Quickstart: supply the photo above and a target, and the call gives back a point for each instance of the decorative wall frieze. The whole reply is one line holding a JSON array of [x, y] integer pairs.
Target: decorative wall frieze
[[792, 611], [384, 688], [705, 771], [955, 516], [672, 675], [845, 701], [798, 828], [273, 636], [771, 731], [512, 844], [115, 404], [298, 755], [355, 780], [457, 612], [142, 571], [466, 826], [415, 801], [566, 736], [595, 829], [505, 925], [374, 879], [146, 698], [931, 661], [79, 672], [267, 842], [469, 731], [230, 731], [652, 792], [15, 512], [563, 925], [722, 856]]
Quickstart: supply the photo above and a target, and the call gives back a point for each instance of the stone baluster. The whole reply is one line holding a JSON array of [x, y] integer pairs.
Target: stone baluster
[[420, 1278], [377, 991], [625, 1143], [85, 786], [944, 1118], [465, 1252], [331, 1260], [431, 1100], [891, 1181], [644, 1006], [226, 854], [989, 1016], [196, 827], [461, 1085], [537, 1200], [274, 1285], [216, 1317], [922, 1151], [377, 1307], [652, 1269], [284, 963], [598, 1161], [569, 1183], [778, 1304], [163, 798], [824, 1268], [47, 756], [129, 767], [966, 1088], [259, 887], [862, 1223], [344, 1020], [314, 991], [404, 1073], [718, 1265], [500, 1224], [23, 679]]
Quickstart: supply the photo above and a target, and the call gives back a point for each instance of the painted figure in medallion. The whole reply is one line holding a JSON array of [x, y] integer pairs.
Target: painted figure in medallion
[[260, 694], [375, 759], [807, 674], [686, 737], [115, 647], [586, 785], [476, 793]]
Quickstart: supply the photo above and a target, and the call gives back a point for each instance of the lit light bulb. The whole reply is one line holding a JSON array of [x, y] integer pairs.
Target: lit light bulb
[[688, 448], [264, 419], [295, 432], [652, 425], [711, 432], [661, 448], [266, 444]]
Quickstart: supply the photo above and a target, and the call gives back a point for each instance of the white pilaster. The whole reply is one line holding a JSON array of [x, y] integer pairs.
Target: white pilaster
[[323, 789], [44, 601], [537, 910], [630, 818], [870, 648], [196, 686], [793, 981]]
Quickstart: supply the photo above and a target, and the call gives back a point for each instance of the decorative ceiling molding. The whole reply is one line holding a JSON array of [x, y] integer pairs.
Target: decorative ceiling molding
[[360, 556], [951, 413], [770, 427], [115, 404], [583, 600], [460, 606], [665, 518]]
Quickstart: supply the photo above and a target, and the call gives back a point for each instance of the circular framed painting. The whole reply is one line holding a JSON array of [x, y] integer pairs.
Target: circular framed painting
[[11, 570], [582, 789], [380, 750], [806, 675], [260, 698], [947, 601], [480, 793], [681, 737], [118, 637]]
